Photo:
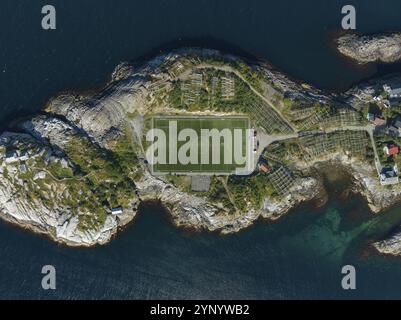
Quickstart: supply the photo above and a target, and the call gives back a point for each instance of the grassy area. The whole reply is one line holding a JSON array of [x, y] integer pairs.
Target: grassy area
[[209, 95], [218, 194], [197, 124], [285, 151], [98, 180], [253, 76], [241, 193], [235, 193], [249, 191], [59, 172], [383, 140], [181, 182], [105, 179]]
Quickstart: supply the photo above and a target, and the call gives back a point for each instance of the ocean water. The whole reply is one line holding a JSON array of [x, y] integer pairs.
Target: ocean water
[[298, 256], [92, 37]]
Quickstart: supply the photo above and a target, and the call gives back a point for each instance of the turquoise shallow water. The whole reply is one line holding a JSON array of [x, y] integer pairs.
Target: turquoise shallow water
[[299, 256]]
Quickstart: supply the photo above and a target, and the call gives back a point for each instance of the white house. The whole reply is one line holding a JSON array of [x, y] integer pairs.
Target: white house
[[22, 167], [40, 175], [116, 211], [389, 175], [395, 93], [24, 156], [11, 156], [387, 88]]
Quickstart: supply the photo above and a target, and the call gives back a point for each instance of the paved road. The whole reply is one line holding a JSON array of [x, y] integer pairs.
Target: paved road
[[256, 92], [266, 140]]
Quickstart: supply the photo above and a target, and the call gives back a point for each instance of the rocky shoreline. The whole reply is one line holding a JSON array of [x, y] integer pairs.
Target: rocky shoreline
[[98, 119], [364, 49]]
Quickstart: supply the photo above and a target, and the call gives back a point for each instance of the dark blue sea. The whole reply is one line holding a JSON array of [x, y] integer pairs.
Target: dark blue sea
[[298, 256]]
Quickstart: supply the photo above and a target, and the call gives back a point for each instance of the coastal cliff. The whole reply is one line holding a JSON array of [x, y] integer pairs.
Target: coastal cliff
[[62, 171], [371, 48]]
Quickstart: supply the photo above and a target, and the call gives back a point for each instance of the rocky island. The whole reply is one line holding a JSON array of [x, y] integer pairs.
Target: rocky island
[[364, 49], [77, 172]]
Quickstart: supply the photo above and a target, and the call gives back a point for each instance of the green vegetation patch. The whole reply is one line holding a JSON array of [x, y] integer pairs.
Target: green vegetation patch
[[99, 179], [197, 124], [249, 192], [104, 179], [210, 89]]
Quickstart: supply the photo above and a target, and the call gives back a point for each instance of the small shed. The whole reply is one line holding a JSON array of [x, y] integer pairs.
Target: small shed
[[200, 183], [116, 211], [263, 165], [22, 167]]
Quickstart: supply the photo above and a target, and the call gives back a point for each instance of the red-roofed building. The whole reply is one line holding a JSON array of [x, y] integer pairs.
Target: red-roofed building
[[391, 150], [263, 166], [379, 121]]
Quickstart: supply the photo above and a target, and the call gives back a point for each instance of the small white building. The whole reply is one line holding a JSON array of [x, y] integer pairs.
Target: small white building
[[22, 168], [64, 163], [24, 156], [389, 175], [116, 211], [11, 156], [387, 88], [395, 93], [40, 175]]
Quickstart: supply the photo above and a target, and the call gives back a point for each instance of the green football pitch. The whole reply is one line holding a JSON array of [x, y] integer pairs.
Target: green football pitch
[[197, 124]]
